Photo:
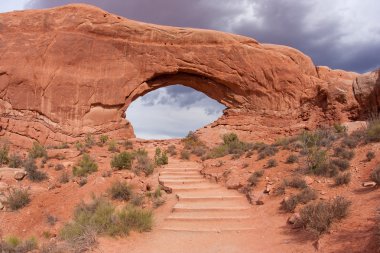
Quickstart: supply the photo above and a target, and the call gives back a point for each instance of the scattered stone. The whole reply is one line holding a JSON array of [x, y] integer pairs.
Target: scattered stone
[[295, 220], [323, 193], [268, 189], [309, 180], [1, 206], [129, 175], [233, 183], [260, 201], [166, 188], [19, 175], [369, 184]]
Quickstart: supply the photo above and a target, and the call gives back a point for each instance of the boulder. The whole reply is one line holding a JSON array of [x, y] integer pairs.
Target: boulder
[[369, 184], [19, 175], [367, 91], [234, 183]]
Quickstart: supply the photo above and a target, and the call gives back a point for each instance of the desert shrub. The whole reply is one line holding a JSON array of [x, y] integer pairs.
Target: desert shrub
[[289, 204], [231, 145], [340, 128], [4, 150], [15, 161], [199, 151], [254, 178], [103, 139], [373, 131], [285, 142], [59, 166], [344, 153], [272, 163], [120, 190], [137, 199], [185, 155], [218, 151], [342, 178], [122, 161], [144, 163], [37, 151], [160, 158], [279, 190], [81, 147], [292, 159], [266, 151], [33, 173], [319, 216], [306, 195], [13, 244], [64, 178], [341, 164], [296, 182], [86, 165], [317, 161], [62, 146], [375, 175], [17, 198], [89, 140], [51, 220], [370, 155], [128, 144], [318, 138], [100, 217], [112, 146], [171, 150], [351, 141]]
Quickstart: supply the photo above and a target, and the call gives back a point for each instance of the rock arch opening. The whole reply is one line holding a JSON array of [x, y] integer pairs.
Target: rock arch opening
[[171, 112]]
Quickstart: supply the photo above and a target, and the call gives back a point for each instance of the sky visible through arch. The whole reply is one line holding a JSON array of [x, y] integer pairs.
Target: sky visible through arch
[[343, 34]]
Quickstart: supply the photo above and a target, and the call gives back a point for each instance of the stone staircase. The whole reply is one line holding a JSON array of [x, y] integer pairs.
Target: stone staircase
[[202, 206]]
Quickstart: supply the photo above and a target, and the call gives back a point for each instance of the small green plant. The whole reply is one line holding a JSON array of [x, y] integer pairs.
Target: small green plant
[[33, 173], [51, 220], [14, 244], [82, 181], [120, 190], [81, 147], [342, 178], [18, 198], [254, 178], [344, 153], [86, 165], [112, 146], [4, 150], [373, 131], [267, 151], [185, 155], [306, 195], [103, 139], [160, 158], [171, 150], [370, 155], [15, 161], [144, 163], [128, 144], [375, 175], [292, 159], [341, 164], [89, 140], [59, 166], [122, 161], [317, 161], [272, 163], [37, 151], [64, 178], [340, 128]]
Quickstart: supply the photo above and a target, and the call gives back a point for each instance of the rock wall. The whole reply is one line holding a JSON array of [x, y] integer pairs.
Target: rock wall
[[367, 92], [73, 70]]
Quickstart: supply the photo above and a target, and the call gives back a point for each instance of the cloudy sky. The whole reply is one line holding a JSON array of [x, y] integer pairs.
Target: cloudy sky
[[341, 34]]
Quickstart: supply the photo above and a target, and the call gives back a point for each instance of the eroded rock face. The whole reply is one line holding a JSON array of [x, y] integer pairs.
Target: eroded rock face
[[367, 91], [75, 69]]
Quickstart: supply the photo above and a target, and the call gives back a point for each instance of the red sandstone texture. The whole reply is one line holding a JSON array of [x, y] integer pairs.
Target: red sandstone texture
[[74, 69]]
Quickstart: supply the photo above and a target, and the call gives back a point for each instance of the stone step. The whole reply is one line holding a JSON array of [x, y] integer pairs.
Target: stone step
[[182, 181], [209, 197], [171, 173], [193, 187], [182, 170], [186, 176], [181, 208], [215, 217], [207, 230]]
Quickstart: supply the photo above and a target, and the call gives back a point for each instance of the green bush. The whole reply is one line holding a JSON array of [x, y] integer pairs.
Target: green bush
[[319, 216], [340, 128], [13, 244], [254, 178], [185, 155], [370, 155], [344, 153], [171, 150], [103, 139], [144, 163], [120, 191], [64, 178], [375, 175], [59, 166], [89, 140], [128, 144], [81, 147], [266, 151], [18, 198], [4, 150], [289, 204], [33, 173], [86, 165], [100, 217], [342, 178], [317, 161], [122, 161], [373, 131], [112, 146], [306, 195], [292, 159], [352, 141], [37, 151], [160, 158], [341, 164], [15, 161]]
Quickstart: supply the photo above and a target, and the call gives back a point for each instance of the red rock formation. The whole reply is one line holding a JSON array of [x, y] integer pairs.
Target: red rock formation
[[75, 69], [367, 91]]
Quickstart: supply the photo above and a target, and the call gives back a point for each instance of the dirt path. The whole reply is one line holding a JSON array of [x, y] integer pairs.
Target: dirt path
[[204, 217]]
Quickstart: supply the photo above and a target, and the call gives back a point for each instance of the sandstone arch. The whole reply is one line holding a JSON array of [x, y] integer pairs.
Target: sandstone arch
[[74, 69]]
